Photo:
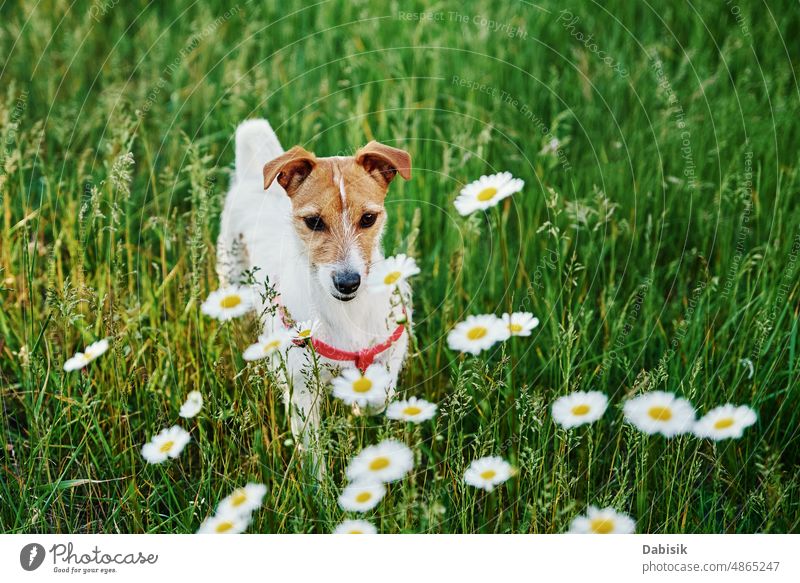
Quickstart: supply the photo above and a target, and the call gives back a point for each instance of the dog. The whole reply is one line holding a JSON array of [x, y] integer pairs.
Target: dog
[[315, 233]]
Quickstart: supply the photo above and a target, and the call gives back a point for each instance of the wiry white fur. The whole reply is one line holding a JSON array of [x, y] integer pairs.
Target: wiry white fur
[[256, 231]]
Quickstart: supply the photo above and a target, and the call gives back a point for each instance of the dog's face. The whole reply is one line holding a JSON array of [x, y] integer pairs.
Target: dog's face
[[337, 205]]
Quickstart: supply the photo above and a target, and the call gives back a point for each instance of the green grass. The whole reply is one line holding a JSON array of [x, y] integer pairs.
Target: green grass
[[660, 250]]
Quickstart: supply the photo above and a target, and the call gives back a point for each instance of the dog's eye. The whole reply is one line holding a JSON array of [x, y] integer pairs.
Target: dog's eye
[[315, 223], [367, 220]]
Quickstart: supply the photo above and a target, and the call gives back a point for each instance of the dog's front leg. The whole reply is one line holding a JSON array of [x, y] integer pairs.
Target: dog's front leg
[[303, 410]]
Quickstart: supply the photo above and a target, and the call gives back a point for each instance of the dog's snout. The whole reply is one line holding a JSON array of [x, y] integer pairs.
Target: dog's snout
[[346, 282]]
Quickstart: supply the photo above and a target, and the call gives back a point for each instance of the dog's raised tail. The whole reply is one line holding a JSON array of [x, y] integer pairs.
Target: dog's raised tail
[[256, 144]]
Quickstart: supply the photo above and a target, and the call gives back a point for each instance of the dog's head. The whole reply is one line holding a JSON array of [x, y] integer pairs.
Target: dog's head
[[337, 207]]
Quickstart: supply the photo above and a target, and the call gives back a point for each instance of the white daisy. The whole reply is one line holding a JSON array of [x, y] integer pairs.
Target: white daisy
[[660, 412], [725, 422], [268, 345], [486, 192], [413, 409], [91, 352], [518, 324], [355, 527], [229, 302], [605, 521], [305, 330], [225, 524], [361, 496], [368, 389], [386, 274], [388, 461], [579, 407], [488, 472], [476, 333], [168, 443], [243, 500], [192, 406]]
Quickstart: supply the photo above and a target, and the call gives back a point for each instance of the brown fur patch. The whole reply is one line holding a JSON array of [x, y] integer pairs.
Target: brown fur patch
[[339, 190], [320, 195]]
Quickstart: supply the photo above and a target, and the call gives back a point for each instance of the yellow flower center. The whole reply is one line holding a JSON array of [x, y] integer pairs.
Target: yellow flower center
[[362, 385], [477, 333], [723, 423], [601, 525], [363, 497], [580, 409], [660, 413], [487, 194], [488, 474], [224, 527], [304, 333], [392, 277], [239, 497], [270, 346], [166, 446], [230, 301], [379, 463], [356, 531], [514, 328], [412, 410]]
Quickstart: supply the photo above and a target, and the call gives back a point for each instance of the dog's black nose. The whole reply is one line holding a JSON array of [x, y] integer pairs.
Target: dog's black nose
[[346, 282]]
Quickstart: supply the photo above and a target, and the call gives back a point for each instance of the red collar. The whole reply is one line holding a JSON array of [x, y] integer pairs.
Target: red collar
[[362, 358]]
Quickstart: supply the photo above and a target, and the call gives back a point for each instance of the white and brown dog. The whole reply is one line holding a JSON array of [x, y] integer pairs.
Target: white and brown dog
[[315, 233]]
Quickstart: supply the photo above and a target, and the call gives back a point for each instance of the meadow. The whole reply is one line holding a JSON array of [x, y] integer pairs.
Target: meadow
[[656, 239]]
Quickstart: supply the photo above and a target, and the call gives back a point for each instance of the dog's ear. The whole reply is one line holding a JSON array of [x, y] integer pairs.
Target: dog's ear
[[384, 162], [290, 168]]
